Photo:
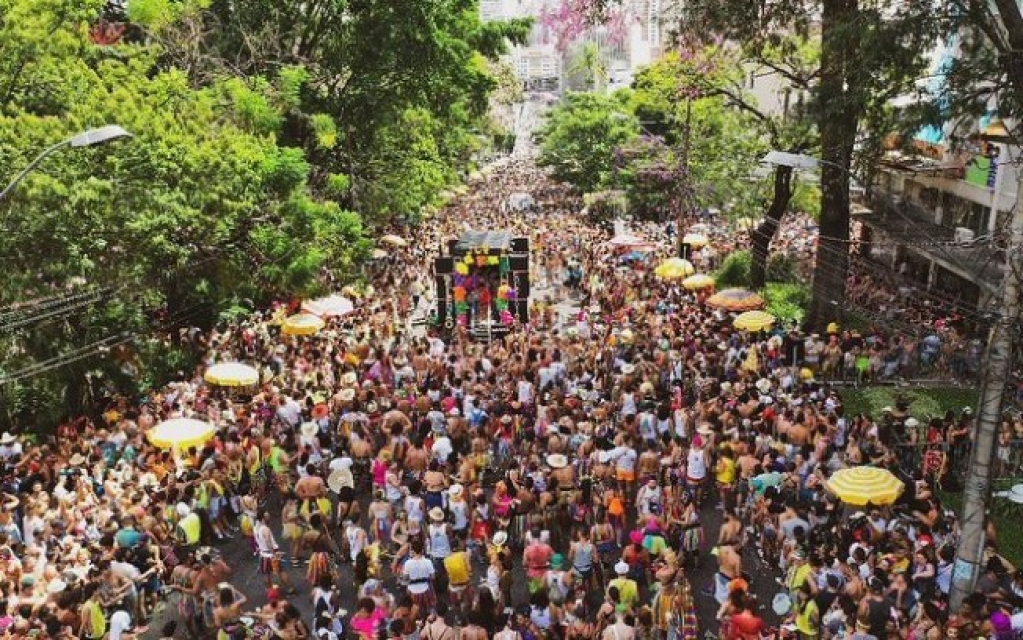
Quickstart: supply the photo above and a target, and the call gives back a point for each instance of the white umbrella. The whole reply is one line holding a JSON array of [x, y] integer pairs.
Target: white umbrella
[[328, 307]]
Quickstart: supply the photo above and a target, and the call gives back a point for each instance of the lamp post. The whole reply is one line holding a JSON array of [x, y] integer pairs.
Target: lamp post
[[89, 138]]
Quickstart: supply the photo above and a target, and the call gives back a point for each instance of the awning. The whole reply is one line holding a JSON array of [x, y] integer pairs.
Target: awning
[[487, 240]]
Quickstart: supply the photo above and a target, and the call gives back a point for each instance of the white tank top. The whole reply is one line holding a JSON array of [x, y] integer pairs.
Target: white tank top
[[696, 464], [440, 546]]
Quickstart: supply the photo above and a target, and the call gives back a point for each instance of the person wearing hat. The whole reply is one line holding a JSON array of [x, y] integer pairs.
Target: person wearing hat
[[438, 536], [558, 581], [458, 507], [628, 590]]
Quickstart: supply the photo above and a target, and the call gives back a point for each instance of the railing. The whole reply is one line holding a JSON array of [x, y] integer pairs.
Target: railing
[[1008, 459]]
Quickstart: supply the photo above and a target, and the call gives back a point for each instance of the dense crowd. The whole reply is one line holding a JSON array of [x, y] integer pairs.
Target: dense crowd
[[566, 480]]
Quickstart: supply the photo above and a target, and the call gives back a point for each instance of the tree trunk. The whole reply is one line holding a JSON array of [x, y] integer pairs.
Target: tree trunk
[[763, 235], [838, 111]]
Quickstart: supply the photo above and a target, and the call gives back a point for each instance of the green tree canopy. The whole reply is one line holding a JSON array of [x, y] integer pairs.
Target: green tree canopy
[[581, 136]]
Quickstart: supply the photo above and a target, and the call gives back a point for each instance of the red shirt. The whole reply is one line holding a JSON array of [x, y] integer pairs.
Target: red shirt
[[746, 626]]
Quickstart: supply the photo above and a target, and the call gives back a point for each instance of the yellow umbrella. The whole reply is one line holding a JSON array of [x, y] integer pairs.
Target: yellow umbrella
[[181, 433], [232, 374], [695, 240], [860, 485], [378, 254], [302, 324], [674, 269], [392, 239], [753, 321], [697, 282], [736, 300]]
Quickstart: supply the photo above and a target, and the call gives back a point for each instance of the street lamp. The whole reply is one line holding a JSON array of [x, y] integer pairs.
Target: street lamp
[[88, 138], [791, 160]]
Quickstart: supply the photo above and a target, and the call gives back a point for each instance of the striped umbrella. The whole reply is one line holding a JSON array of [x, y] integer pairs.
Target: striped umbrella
[[860, 485], [753, 321], [697, 282], [736, 300], [302, 324], [674, 269]]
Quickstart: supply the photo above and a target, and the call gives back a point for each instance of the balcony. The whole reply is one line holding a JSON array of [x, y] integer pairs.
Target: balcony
[[895, 219]]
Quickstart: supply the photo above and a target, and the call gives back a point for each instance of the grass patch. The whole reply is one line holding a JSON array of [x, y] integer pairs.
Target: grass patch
[[924, 402]]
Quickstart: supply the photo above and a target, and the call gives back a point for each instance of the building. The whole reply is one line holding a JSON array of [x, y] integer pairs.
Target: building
[[935, 218]]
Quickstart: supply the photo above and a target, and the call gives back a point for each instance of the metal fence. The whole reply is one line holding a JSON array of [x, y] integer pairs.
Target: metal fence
[[1008, 458]]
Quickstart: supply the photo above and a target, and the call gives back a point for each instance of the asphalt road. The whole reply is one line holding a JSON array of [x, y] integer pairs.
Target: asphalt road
[[247, 579]]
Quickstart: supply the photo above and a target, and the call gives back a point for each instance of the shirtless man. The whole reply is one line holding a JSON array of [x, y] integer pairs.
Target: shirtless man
[[565, 476], [649, 463], [729, 568], [435, 483], [417, 458]]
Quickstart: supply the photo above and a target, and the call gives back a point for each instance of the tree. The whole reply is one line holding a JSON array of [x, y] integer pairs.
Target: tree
[[202, 207], [365, 65], [870, 52], [581, 136], [684, 97], [589, 65]]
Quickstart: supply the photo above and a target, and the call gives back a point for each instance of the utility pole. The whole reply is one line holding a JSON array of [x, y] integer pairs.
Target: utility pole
[[998, 367]]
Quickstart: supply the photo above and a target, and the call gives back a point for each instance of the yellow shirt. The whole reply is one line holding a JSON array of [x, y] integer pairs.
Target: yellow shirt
[[804, 620], [726, 471], [628, 593], [798, 576], [457, 567]]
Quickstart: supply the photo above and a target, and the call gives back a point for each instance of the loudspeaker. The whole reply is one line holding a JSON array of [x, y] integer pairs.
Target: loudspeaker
[[522, 310], [522, 282], [519, 263], [520, 245], [443, 266]]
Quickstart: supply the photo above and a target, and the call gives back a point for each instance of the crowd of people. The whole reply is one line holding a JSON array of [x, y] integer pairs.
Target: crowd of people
[[630, 468]]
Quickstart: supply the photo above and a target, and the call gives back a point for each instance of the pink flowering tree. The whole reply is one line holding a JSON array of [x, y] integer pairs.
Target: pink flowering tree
[[569, 20]]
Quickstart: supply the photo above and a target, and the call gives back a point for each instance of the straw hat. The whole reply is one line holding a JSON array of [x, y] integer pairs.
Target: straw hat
[[347, 395], [456, 490], [335, 480], [437, 514], [500, 539], [628, 369], [763, 385], [557, 461], [7, 438], [77, 460]]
